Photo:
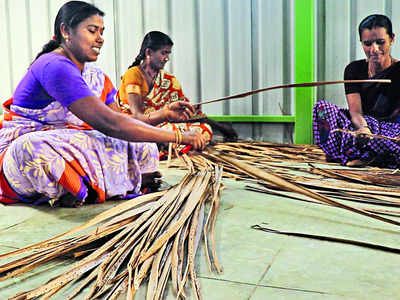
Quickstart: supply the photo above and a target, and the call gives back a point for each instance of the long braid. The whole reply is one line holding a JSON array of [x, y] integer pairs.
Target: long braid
[[138, 59], [50, 46]]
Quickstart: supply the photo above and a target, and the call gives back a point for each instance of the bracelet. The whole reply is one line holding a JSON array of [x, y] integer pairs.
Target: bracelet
[[178, 137]]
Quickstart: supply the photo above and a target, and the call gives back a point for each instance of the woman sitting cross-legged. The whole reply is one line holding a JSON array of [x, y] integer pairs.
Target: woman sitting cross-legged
[[374, 108], [61, 140]]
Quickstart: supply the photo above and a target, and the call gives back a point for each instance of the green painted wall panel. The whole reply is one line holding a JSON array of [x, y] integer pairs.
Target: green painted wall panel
[[304, 69]]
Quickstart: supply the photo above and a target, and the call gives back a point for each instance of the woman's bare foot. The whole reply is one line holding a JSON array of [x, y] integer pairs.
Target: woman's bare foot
[[152, 182], [356, 163], [69, 200]]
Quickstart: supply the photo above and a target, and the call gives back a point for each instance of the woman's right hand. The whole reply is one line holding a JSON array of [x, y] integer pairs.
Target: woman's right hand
[[195, 139], [179, 111], [363, 130], [363, 136]]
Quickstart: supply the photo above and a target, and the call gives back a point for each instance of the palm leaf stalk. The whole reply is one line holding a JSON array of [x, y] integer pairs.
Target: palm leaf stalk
[[329, 239], [154, 236], [294, 169]]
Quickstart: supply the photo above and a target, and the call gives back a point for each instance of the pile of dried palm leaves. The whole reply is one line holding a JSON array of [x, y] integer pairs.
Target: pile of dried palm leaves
[[155, 236], [300, 172]]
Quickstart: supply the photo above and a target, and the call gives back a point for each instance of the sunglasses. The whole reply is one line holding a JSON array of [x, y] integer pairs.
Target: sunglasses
[[379, 42]]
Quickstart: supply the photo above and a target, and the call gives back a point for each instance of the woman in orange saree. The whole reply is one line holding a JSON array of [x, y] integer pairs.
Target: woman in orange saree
[[147, 88]]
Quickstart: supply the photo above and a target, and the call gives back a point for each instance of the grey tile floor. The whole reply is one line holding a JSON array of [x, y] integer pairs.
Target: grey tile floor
[[257, 265]]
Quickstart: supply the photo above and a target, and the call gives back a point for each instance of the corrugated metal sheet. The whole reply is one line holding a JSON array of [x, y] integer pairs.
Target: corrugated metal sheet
[[222, 47]]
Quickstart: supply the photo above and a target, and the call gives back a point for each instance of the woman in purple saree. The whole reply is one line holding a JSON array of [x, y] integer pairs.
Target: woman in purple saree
[[343, 134], [60, 137]]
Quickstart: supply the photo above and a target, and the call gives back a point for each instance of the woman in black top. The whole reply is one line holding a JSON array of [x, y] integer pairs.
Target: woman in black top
[[372, 107]]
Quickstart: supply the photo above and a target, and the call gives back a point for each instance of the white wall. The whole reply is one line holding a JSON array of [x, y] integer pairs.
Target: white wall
[[341, 39], [222, 47]]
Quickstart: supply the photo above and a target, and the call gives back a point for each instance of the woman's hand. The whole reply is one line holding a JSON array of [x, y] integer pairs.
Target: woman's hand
[[363, 136], [363, 130], [179, 111], [195, 139]]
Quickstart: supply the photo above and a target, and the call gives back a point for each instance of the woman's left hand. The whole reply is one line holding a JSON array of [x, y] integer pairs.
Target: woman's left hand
[[179, 111]]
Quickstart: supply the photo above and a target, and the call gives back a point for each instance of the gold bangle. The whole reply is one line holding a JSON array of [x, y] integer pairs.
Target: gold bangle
[[178, 137]]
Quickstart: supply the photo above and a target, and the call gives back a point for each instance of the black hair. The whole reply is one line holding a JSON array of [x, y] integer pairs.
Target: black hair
[[154, 40], [71, 14], [376, 20]]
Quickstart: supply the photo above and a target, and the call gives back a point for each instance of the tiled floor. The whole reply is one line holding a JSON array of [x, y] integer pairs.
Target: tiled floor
[[257, 265]]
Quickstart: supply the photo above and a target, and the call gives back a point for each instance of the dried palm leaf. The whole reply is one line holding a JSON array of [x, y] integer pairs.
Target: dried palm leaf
[[286, 185], [330, 239], [297, 164], [140, 238]]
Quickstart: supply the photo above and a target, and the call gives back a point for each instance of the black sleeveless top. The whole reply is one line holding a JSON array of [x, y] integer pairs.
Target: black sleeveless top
[[380, 100]]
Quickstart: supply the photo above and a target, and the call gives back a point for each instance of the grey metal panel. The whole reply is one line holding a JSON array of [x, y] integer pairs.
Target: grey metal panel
[[185, 50], [40, 29], [20, 56], [108, 54], [213, 64], [155, 15], [337, 51], [239, 55], [221, 47], [268, 55], [129, 34]]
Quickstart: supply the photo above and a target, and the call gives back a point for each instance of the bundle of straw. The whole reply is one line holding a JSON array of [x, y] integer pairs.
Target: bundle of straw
[[292, 169], [155, 236]]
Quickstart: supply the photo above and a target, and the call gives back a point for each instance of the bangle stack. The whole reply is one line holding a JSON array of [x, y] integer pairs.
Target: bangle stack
[[178, 137]]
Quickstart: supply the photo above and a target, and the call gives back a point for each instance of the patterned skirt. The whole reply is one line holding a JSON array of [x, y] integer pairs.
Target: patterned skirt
[[343, 147], [45, 165]]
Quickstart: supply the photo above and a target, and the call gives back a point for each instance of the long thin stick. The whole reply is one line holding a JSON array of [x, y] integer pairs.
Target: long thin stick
[[305, 84], [330, 239], [368, 135], [292, 187]]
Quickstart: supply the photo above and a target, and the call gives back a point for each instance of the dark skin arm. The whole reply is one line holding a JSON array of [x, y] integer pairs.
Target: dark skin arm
[[178, 111], [114, 107], [104, 119], [355, 108]]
